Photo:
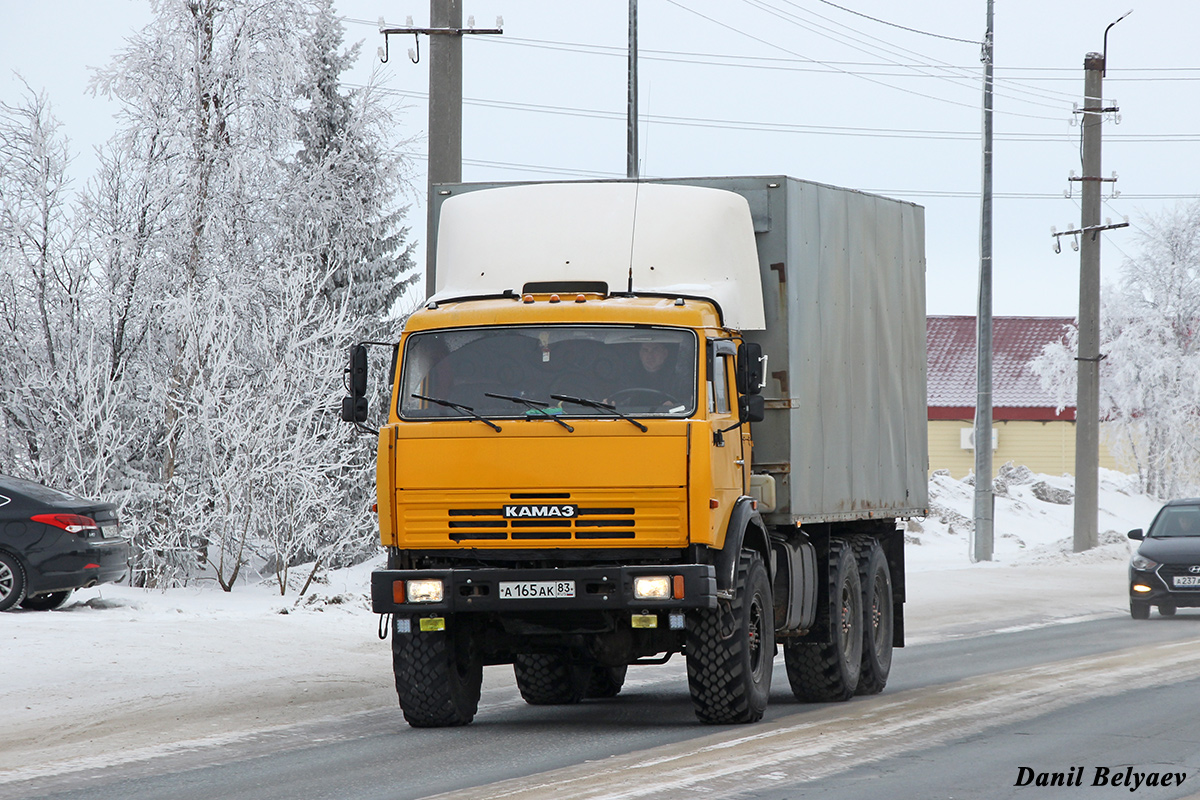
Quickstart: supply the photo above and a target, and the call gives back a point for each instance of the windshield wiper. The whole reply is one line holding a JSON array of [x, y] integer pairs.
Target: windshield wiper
[[469, 411], [609, 407], [532, 405]]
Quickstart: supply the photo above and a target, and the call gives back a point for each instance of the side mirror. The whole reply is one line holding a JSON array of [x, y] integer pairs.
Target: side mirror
[[354, 409], [358, 370], [751, 408], [749, 372], [1137, 534], [354, 405]]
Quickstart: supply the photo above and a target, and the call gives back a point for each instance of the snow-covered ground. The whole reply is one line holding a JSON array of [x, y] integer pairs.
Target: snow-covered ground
[[137, 672]]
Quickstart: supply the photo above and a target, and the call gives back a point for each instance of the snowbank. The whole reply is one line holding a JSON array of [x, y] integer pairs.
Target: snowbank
[[135, 672]]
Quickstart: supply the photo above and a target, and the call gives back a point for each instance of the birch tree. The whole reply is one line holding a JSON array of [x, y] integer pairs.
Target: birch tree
[[174, 334], [1150, 375]]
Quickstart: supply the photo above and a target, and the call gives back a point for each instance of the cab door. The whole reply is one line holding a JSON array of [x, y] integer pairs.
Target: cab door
[[725, 439]]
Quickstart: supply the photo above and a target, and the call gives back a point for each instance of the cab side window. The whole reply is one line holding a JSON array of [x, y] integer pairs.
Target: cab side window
[[718, 384]]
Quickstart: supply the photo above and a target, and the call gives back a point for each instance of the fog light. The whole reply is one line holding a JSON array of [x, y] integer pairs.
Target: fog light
[[652, 587], [403, 624], [1140, 587], [425, 590], [643, 621], [675, 621], [433, 624]]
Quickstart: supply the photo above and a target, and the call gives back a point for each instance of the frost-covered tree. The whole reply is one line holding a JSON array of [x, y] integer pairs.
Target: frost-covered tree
[[347, 176], [173, 335], [245, 227], [65, 421], [1150, 339]]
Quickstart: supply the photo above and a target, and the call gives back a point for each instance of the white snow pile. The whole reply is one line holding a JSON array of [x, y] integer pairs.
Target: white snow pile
[[1033, 520]]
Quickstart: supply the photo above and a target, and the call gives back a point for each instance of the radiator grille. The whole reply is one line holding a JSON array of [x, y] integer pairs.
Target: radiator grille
[[584, 522]]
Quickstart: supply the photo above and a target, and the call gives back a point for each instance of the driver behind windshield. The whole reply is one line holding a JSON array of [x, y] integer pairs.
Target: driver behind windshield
[[655, 381], [1177, 522], [1183, 525]]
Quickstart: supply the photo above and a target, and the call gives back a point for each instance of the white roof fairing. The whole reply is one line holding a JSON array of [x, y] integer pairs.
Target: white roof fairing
[[684, 240]]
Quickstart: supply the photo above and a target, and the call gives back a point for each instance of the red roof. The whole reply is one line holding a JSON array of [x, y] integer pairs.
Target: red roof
[[1016, 341]]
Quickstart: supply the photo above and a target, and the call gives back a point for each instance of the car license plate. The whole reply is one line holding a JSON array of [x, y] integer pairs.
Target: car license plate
[[514, 590], [1187, 580]]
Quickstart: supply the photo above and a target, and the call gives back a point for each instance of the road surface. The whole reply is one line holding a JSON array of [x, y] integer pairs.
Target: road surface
[[959, 719]]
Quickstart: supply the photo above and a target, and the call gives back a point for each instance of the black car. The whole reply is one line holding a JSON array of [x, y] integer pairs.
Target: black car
[[52, 543], [1165, 570]]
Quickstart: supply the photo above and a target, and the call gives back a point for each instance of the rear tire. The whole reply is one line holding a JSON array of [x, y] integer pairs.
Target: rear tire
[[730, 650], [606, 681], [1139, 609], [550, 679], [825, 672], [438, 676], [12, 581], [876, 581], [46, 602]]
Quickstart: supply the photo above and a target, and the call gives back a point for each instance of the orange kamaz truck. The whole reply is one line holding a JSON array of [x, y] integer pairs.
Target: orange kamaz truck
[[639, 419]]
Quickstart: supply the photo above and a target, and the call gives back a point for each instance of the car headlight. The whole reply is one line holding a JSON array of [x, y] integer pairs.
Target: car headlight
[[1139, 561], [652, 587], [425, 590]]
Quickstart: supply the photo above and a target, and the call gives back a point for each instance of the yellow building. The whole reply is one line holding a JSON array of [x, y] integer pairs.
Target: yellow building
[[1027, 427]]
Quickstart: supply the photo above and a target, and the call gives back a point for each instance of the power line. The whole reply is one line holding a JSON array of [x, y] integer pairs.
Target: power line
[[846, 72], [796, 64], [1017, 195], [537, 168], [956, 79], [901, 27], [778, 127]]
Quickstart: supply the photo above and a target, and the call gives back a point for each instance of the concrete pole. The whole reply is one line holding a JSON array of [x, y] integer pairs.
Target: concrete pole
[[631, 167], [1087, 403], [445, 115], [985, 501]]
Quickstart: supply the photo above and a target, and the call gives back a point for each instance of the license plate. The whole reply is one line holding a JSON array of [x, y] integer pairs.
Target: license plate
[[1187, 580], [517, 590]]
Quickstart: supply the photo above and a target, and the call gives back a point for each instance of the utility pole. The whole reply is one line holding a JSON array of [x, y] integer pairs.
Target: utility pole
[[445, 117], [1087, 401], [445, 33], [631, 166], [985, 501]]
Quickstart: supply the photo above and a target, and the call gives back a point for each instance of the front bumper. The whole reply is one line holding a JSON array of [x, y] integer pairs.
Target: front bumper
[[1161, 591], [479, 590]]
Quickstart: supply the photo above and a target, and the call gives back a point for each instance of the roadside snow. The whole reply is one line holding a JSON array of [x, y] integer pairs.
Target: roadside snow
[[122, 673]]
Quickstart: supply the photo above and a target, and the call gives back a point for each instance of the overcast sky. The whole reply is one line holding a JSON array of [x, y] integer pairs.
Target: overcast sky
[[798, 87]]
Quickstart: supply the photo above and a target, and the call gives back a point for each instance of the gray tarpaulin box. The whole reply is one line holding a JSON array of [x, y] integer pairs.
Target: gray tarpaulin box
[[843, 276]]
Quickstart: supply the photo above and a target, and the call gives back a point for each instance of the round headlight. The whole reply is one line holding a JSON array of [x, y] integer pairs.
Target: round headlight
[[1139, 561]]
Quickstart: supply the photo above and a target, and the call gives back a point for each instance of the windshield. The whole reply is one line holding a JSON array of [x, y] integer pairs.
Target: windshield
[[1177, 521], [642, 371]]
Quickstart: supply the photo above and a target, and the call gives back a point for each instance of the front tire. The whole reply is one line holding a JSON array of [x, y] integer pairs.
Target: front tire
[[606, 681], [12, 581], [1166, 611], [825, 672], [550, 679], [439, 675], [1139, 609], [730, 650], [46, 602]]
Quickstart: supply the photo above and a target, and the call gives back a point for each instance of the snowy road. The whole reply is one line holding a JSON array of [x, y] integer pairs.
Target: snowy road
[[948, 701]]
